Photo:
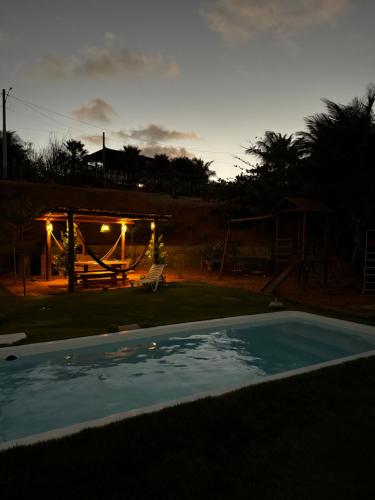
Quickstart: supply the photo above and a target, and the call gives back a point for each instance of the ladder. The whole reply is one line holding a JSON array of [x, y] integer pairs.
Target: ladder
[[283, 252], [369, 265]]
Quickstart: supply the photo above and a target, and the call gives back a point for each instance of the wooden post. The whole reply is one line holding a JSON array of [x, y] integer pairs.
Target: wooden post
[[303, 255], [155, 233], [299, 234], [123, 240], [48, 250], [70, 251], [23, 262], [277, 244], [14, 264], [104, 158], [225, 251], [304, 237]]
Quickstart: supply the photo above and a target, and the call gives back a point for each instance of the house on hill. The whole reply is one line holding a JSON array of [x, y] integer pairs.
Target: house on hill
[[124, 167]]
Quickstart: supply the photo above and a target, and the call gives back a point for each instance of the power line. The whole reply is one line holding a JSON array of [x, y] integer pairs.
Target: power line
[[68, 117], [37, 108]]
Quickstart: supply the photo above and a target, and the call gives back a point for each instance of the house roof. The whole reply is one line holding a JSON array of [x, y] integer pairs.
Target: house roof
[[113, 157]]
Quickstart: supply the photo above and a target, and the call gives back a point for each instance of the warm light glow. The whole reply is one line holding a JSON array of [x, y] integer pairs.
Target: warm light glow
[[123, 228], [105, 228], [49, 227], [152, 226]]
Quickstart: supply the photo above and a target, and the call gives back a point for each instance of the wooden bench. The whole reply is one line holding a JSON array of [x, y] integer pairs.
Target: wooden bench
[[121, 270], [96, 278]]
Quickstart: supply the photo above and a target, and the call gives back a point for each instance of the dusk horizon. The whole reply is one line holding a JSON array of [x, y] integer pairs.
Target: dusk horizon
[[204, 78], [187, 252]]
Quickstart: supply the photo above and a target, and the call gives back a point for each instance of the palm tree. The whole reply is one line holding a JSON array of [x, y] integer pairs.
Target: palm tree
[[161, 171], [340, 146], [75, 155], [203, 169], [132, 163], [277, 154], [279, 168]]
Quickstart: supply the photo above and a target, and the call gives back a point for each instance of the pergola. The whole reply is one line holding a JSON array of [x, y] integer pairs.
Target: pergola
[[74, 216]]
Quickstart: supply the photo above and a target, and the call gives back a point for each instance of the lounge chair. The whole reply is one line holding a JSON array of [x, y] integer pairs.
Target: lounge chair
[[153, 278]]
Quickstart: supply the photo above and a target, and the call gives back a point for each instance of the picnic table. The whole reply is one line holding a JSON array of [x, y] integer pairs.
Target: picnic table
[[93, 273]]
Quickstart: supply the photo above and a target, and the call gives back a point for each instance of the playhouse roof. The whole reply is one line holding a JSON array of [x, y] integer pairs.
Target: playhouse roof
[[289, 204]]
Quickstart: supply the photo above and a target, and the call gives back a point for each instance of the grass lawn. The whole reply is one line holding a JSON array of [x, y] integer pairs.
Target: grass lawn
[[310, 437], [53, 317]]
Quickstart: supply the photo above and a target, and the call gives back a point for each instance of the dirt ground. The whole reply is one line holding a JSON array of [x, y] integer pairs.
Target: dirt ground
[[345, 299]]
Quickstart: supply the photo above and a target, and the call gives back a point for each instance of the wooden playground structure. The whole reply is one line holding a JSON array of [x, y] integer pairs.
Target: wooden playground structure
[[300, 240]]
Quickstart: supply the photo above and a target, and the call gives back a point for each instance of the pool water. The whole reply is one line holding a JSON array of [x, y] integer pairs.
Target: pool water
[[47, 391]]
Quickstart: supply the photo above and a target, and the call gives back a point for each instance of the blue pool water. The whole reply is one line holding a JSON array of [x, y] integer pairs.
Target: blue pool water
[[42, 392]]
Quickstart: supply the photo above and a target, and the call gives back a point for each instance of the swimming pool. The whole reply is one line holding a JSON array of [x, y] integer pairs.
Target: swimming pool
[[57, 388]]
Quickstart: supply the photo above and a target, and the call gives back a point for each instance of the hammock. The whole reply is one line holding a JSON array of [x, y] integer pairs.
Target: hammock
[[59, 245], [110, 252], [107, 256], [114, 269]]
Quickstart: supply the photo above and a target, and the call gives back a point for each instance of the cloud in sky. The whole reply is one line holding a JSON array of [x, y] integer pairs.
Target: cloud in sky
[[171, 151], [152, 134], [2, 39], [103, 62], [157, 133], [96, 109], [240, 20], [93, 139], [148, 150], [109, 37]]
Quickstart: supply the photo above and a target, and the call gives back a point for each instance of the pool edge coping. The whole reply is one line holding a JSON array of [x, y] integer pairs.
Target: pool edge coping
[[181, 327], [158, 331]]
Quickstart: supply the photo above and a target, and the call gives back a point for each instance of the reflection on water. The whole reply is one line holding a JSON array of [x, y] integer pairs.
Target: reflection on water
[[126, 352], [43, 392]]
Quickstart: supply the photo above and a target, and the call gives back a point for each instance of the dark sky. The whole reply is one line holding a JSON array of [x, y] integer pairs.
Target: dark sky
[[204, 75]]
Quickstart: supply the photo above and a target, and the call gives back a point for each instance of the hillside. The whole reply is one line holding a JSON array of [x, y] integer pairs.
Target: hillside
[[195, 221]]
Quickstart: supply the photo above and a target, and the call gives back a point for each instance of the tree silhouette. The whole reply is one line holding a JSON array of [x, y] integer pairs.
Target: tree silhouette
[[19, 214], [279, 169], [19, 161], [161, 171], [132, 167], [75, 153], [278, 155], [340, 164]]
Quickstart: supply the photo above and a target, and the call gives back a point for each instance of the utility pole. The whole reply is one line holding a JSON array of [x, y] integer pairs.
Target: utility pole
[[5, 151], [104, 158], [5, 159]]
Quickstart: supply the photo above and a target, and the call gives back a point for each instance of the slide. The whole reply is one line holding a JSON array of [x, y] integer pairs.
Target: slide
[[281, 276]]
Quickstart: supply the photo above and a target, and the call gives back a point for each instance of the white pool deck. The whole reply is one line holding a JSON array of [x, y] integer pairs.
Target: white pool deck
[[120, 337]]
